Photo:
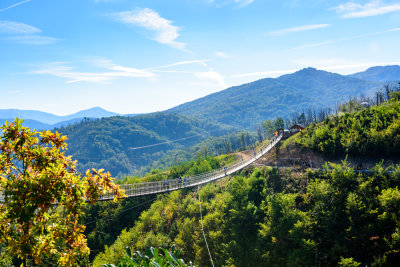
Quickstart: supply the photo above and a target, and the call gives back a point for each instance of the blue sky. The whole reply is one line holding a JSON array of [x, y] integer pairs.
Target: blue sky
[[149, 55]]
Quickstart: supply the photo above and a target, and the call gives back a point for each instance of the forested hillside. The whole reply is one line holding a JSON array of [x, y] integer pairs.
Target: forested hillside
[[249, 104], [106, 220], [268, 217], [371, 132], [124, 144]]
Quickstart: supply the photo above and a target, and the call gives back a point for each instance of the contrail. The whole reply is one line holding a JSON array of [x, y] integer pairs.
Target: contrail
[[17, 4]]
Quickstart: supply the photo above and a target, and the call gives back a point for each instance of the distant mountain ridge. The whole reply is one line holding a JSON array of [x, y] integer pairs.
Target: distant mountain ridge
[[379, 74], [42, 120], [49, 118], [249, 104]]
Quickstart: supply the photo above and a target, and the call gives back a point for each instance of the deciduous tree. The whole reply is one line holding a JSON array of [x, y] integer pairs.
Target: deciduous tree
[[43, 196]]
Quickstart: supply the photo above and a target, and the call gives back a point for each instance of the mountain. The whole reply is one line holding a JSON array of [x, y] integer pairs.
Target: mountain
[[40, 126], [50, 119], [379, 74], [122, 144], [95, 112], [248, 104], [33, 124]]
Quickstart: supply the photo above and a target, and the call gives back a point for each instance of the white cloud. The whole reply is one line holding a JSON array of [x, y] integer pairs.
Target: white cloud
[[32, 39], [164, 31], [239, 3], [373, 8], [298, 29], [17, 27], [243, 3], [222, 54], [114, 71], [14, 5], [22, 33], [346, 39], [212, 76], [60, 69], [201, 62]]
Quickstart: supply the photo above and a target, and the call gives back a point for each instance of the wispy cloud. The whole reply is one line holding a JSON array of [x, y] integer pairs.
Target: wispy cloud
[[222, 54], [298, 29], [373, 8], [22, 33], [17, 27], [238, 3], [32, 39], [14, 5], [212, 76], [62, 70], [345, 39], [114, 71], [164, 30], [200, 61], [243, 3]]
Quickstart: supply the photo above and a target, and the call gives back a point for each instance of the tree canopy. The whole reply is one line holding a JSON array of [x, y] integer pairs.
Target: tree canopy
[[43, 196]]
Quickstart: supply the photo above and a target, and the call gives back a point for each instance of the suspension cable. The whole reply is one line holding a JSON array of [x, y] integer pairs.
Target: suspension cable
[[202, 227]]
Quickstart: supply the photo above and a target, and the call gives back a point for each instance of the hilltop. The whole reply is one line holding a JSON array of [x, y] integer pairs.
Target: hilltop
[[379, 74], [248, 104], [365, 137]]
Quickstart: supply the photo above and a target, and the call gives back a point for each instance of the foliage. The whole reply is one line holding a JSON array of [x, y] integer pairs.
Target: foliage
[[125, 144], [155, 257], [272, 217], [373, 132], [106, 220], [270, 126], [44, 196]]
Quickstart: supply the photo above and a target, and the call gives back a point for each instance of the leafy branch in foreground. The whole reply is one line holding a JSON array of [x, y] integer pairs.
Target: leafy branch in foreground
[[42, 196], [154, 257]]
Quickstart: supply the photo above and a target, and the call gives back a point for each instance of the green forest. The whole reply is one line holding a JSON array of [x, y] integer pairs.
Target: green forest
[[271, 217], [123, 145], [265, 216], [137, 145], [373, 132], [261, 216]]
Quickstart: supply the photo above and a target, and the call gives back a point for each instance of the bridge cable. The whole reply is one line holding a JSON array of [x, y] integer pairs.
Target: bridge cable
[[202, 227], [166, 142]]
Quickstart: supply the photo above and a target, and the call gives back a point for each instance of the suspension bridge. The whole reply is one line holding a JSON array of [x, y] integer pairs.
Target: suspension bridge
[[158, 187]]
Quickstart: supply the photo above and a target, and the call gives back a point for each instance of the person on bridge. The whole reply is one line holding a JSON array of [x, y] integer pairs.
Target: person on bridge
[[225, 170], [184, 181]]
